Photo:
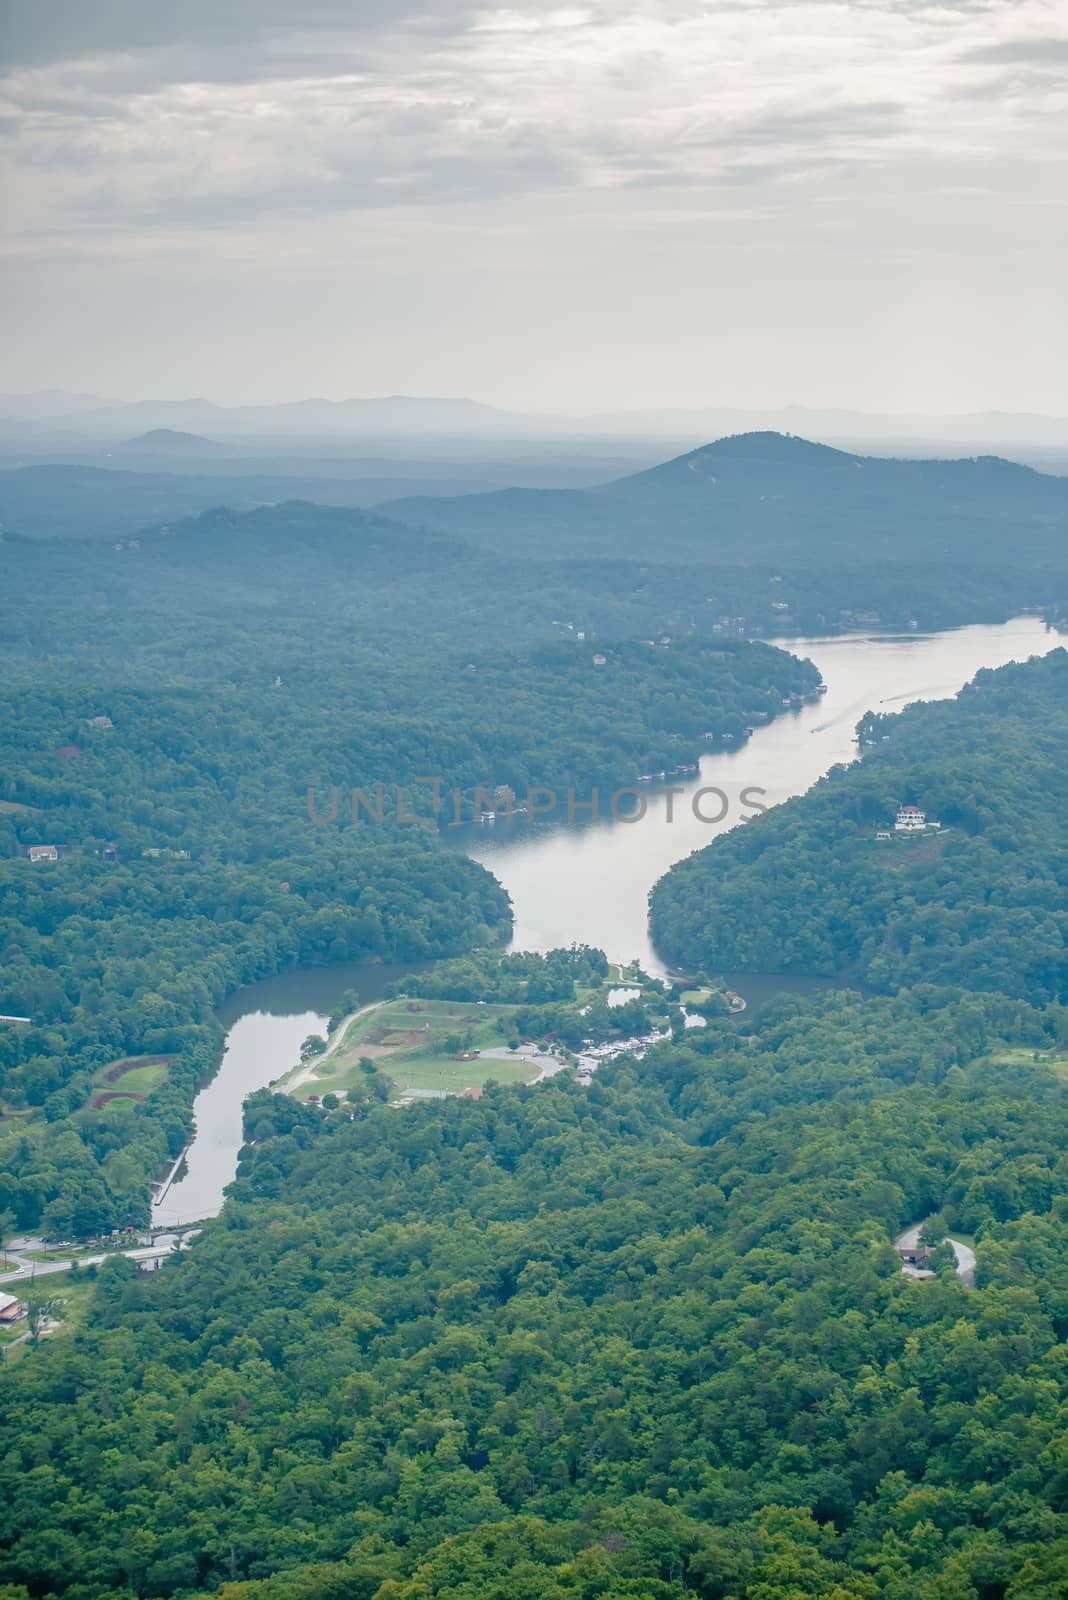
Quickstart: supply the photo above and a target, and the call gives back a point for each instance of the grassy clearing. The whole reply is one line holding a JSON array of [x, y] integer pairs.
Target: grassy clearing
[[422, 1073], [1055, 1061], [696, 998], [70, 1253], [131, 1078], [420, 1045], [15, 1113], [72, 1297]]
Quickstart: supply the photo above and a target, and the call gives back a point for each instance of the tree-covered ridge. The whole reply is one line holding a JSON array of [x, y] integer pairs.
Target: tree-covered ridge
[[224, 769], [770, 491], [979, 902], [647, 1339], [699, 570]]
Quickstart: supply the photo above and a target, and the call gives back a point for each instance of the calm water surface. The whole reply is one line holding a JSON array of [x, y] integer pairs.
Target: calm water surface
[[590, 883], [266, 1025]]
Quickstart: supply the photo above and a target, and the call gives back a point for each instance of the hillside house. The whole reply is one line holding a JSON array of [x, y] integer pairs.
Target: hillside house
[[43, 852], [99, 722], [910, 819], [599, 660]]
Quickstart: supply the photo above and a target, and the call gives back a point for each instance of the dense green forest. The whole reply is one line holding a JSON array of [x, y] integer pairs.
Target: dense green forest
[[978, 902], [242, 695], [640, 1340], [643, 1340]]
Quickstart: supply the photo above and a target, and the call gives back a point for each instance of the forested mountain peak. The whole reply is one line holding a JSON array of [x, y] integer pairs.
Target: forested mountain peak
[[161, 440], [793, 458], [761, 499], [758, 448]]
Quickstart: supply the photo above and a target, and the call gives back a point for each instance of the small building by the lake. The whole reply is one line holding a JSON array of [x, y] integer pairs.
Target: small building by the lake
[[11, 1310]]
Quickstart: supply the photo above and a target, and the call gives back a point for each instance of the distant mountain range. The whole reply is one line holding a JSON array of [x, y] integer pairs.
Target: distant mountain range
[[69, 416], [390, 414], [751, 499], [762, 533], [771, 497], [52, 405]]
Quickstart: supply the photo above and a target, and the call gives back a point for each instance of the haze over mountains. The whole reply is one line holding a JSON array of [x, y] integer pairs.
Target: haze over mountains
[[316, 425], [170, 441], [772, 496], [745, 499], [763, 534], [387, 414]]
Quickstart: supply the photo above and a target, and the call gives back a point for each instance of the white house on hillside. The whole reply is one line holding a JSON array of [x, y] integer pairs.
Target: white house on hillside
[[910, 819]]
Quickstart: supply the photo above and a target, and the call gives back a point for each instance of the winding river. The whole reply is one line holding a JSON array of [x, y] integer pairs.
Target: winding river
[[589, 883]]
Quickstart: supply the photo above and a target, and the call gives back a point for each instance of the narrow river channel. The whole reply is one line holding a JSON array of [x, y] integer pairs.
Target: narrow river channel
[[589, 883]]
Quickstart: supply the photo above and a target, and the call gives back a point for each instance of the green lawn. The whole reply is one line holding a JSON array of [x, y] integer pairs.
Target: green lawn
[[1054, 1060], [132, 1077], [74, 1253], [72, 1297], [699, 997], [406, 1040]]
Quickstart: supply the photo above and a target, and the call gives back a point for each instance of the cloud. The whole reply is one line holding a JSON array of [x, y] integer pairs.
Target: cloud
[[149, 117], [1019, 52]]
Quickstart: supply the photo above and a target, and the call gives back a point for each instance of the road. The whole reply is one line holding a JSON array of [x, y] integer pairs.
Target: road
[[296, 1077], [964, 1253], [27, 1271], [548, 1065]]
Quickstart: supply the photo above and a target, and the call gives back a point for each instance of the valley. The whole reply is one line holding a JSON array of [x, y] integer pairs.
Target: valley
[[496, 1260]]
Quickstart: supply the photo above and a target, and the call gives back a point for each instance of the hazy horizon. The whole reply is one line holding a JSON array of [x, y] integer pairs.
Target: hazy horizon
[[97, 402], [557, 209]]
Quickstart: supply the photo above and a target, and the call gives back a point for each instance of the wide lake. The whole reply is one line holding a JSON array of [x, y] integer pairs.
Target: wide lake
[[589, 882]]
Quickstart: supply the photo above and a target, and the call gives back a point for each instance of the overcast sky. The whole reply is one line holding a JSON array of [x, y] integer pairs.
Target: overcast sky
[[578, 206]]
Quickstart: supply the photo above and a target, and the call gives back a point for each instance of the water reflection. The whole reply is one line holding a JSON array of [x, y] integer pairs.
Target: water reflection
[[590, 881]]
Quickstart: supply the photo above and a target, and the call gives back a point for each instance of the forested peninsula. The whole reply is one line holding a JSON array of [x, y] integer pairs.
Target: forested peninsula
[[829, 884]]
